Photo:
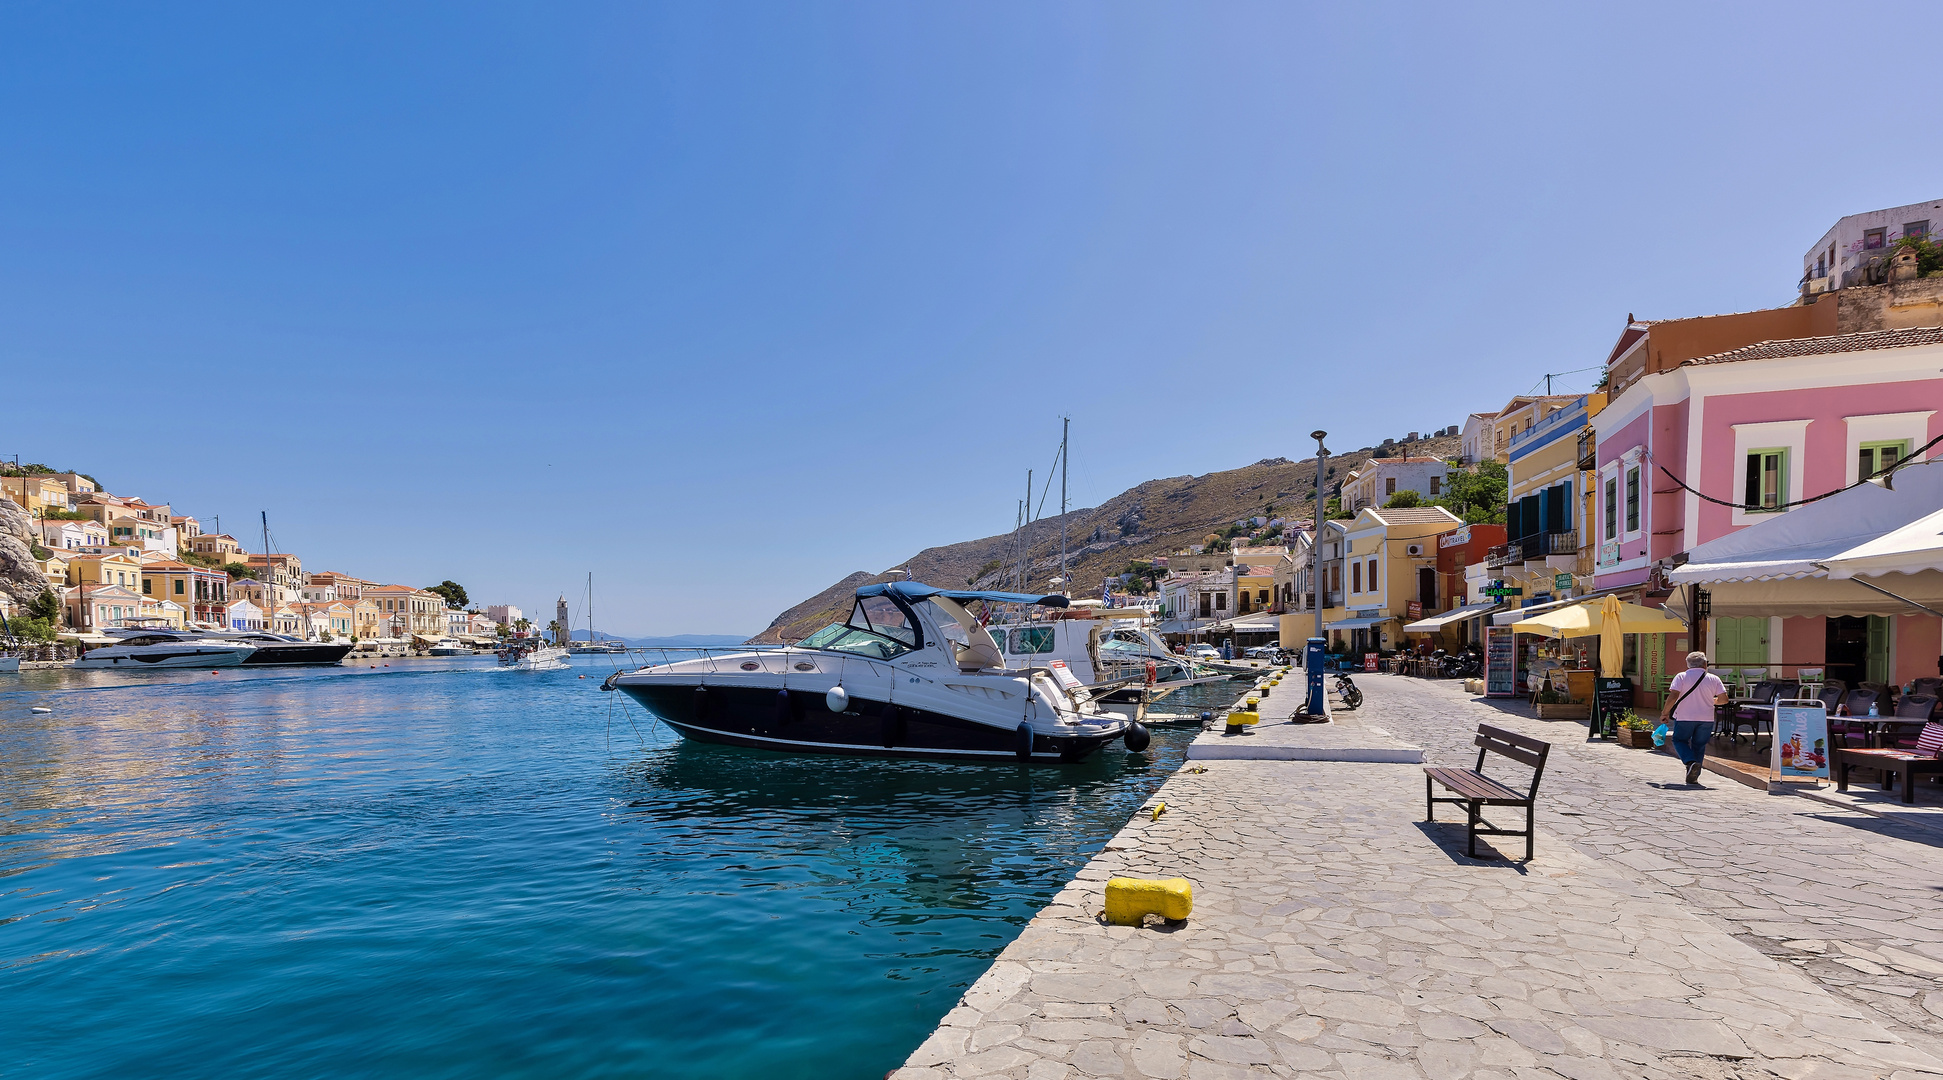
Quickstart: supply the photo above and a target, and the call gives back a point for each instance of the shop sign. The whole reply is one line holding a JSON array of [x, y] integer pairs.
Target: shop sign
[[1562, 583], [1801, 741], [1369, 661], [1502, 590], [1455, 539], [1609, 553], [1414, 610]]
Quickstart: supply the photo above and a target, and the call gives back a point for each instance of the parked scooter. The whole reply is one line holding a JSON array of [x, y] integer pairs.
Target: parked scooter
[[1346, 690]]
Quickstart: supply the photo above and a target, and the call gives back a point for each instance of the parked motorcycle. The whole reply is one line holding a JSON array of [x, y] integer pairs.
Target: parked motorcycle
[[1346, 690]]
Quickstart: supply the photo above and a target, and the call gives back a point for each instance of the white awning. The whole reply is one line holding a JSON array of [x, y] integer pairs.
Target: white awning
[[1271, 624], [1817, 596], [1358, 624], [1789, 545], [1512, 615], [1912, 549], [1438, 622]]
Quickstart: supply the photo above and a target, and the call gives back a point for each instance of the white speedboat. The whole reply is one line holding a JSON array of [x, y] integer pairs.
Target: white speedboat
[[150, 649], [910, 673], [449, 647], [533, 657]]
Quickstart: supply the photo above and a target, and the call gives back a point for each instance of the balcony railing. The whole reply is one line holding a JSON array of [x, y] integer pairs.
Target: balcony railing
[[1588, 450], [1543, 544]]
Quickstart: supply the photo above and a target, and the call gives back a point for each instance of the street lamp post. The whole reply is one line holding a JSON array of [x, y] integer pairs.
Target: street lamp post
[[1312, 656]]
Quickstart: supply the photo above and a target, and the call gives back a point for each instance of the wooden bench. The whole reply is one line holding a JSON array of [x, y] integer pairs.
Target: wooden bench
[[1474, 791]]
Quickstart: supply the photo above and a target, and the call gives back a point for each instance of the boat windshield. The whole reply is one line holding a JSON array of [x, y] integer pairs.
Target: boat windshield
[[877, 628]]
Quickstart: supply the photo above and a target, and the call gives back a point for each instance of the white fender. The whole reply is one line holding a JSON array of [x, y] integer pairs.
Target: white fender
[[837, 699]]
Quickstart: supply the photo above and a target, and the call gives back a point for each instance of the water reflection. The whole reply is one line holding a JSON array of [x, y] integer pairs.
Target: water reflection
[[443, 869]]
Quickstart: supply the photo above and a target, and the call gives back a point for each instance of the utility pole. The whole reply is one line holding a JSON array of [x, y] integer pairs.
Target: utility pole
[[1312, 656]]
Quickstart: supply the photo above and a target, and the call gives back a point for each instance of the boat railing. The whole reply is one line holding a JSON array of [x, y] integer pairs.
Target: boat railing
[[771, 659]]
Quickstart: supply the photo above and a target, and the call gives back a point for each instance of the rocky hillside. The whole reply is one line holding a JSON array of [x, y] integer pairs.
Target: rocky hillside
[[1155, 518], [20, 579]]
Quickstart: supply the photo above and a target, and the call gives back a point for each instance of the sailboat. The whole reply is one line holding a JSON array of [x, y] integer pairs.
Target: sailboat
[[593, 644]]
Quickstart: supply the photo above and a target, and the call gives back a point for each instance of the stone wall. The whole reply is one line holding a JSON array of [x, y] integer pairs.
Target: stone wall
[[1890, 307]]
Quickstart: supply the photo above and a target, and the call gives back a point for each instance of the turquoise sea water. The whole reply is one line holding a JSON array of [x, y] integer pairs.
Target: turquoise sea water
[[440, 869]]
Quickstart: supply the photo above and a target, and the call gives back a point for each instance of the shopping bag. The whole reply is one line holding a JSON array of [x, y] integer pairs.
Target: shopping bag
[[1660, 733]]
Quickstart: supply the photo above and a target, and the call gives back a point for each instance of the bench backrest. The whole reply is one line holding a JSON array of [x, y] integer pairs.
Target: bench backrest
[[1519, 748]]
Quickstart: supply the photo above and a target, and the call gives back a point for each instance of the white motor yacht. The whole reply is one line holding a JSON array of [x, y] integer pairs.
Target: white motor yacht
[[154, 648], [909, 673], [449, 647]]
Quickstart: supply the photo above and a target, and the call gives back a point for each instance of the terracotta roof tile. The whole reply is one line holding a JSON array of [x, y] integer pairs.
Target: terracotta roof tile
[[1823, 346]]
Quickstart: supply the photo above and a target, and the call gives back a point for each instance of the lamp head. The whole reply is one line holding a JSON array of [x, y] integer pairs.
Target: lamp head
[[1318, 435]]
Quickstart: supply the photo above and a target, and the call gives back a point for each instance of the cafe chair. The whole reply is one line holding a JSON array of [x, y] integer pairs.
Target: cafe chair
[[1885, 696], [1930, 685], [1831, 696], [1916, 707]]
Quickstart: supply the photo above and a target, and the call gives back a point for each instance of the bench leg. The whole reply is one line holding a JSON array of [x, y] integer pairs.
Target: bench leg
[[1470, 831], [1841, 774], [1531, 831], [1909, 785], [1430, 799]]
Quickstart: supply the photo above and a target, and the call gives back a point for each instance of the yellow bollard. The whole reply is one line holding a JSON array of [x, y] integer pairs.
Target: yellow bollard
[[1243, 717], [1130, 900]]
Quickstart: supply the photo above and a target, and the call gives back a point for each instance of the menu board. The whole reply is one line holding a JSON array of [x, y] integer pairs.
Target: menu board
[[1500, 661], [1610, 700], [1801, 740]]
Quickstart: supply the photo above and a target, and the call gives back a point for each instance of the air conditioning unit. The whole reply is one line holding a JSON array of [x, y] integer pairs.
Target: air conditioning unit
[[1414, 549]]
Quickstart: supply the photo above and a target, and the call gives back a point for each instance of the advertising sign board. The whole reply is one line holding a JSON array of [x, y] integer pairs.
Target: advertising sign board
[[1800, 739], [1369, 661], [1499, 658]]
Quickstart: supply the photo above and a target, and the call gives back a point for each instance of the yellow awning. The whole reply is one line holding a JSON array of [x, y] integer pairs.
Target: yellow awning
[[1583, 620]]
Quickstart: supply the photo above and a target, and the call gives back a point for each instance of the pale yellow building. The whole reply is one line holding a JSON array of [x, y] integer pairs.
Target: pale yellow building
[[124, 571], [1388, 563]]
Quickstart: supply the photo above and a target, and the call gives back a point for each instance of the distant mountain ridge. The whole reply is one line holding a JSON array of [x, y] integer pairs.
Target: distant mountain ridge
[[1153, 518]]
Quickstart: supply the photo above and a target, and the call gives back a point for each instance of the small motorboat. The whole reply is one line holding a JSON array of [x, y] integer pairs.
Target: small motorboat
[[532, 656], [449, 647], [152, 649], [911, 673]]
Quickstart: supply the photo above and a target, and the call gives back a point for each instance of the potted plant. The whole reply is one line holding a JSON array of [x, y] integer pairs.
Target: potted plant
[[1636, 731], [1553, 705]]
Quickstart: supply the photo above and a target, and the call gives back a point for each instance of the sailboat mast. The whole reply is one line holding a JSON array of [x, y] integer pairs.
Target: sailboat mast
[[1065, 429], [590, 607], [1025, 536]]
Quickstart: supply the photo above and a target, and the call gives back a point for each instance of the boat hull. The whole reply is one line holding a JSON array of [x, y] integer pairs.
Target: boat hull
[[185, 656], [293, 655], [756, 717]]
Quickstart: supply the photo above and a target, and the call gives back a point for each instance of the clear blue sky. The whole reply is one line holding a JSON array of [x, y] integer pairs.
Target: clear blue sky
[[721, 302]]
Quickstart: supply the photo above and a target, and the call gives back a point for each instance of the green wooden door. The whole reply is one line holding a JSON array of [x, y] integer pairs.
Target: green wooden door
[[1741, 642], [1878, 661]]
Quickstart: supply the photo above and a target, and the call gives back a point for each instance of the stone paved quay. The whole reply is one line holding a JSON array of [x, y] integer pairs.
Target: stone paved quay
[[1662, 931]]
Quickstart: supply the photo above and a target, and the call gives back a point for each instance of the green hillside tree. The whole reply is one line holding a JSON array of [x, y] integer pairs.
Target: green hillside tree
[[1478, 496]]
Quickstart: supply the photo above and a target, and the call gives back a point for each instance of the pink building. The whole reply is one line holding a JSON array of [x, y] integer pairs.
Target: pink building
[[1718, 443]]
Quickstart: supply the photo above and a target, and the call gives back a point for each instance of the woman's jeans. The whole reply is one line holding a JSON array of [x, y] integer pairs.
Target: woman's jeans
[[1689, 739]]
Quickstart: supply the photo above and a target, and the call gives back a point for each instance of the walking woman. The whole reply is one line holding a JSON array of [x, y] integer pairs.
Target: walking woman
[[1690, 701]]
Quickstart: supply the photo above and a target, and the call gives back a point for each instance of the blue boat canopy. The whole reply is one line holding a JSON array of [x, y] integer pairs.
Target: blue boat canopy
[[915, 590]]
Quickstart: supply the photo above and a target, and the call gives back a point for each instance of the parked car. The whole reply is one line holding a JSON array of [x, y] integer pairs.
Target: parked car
[[1204, 652], [1263, 652]]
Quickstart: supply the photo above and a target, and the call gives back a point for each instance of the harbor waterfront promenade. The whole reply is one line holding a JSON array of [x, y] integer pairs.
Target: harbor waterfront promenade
[[1661, 931]]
